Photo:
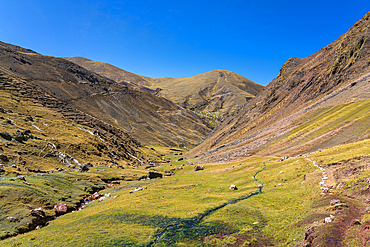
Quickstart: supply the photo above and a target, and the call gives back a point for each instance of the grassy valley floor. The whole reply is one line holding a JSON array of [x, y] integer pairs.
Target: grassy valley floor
[[197, 208]]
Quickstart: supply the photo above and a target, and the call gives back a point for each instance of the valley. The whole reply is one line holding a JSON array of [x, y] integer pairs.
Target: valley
[[93, 155]]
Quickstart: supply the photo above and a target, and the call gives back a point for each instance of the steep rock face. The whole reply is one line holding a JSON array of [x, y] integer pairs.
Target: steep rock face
[[77, 91], [218, 91], [303, 85]]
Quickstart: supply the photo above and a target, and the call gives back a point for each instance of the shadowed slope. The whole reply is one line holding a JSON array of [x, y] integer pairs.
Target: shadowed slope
[[219, 91], [149, 118]]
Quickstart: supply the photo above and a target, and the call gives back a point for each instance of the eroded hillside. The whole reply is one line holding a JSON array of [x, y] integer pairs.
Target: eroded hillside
[[337, 75], [82, 95], [217, 91]]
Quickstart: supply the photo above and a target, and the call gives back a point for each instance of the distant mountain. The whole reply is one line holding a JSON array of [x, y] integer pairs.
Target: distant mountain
[[273, 122], [218, 91], [90, 99], [112, 72], [215, 91]]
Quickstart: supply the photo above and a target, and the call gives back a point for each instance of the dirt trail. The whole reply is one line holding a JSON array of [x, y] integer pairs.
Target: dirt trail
[[328, 182]]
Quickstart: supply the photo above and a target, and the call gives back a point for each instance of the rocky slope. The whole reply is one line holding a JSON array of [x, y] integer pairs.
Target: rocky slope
[[335, 75], [82, 95], [218, 91]]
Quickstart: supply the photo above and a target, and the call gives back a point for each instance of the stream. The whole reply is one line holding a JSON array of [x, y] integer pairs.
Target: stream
[[185, 225]]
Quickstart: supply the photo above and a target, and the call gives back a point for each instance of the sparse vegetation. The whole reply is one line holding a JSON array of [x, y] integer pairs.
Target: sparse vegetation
[[290, 168]]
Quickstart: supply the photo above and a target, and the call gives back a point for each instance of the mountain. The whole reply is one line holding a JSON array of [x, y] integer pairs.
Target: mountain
[[82, 95], [218, 91], [215, 91], [65, 150], [305, 89], [112, 72]]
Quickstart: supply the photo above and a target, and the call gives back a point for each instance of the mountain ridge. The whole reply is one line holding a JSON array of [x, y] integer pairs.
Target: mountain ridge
[[210, 91], [149, 118], [300, 83]]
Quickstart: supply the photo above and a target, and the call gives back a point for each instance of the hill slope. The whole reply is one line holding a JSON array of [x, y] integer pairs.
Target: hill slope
[[218, 91], [335, 75], [82, 95]]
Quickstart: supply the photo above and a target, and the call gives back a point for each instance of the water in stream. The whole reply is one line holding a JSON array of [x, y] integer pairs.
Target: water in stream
[[190, 227]]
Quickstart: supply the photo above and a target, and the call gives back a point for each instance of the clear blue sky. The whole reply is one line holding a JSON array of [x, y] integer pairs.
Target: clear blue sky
[[180, 38]]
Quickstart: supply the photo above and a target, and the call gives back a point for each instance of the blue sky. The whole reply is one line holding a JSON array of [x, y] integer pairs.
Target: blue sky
[[180, 38]]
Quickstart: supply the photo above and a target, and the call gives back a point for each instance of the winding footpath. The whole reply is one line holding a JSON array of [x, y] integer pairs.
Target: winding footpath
[[185, 224], [327, 188]]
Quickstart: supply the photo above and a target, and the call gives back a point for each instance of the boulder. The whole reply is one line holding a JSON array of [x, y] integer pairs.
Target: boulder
[[61, 208], [84, 168], [152, 175], [198, 168], [233, 187]]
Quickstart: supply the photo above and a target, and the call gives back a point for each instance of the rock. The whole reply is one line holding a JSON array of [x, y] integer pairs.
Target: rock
[[233, 187], [38, 212], [6, 135], [335, 201], [102, 199], [260, 186], [29, 118], [4, 158], [198, 168], [143, 177], [2, 110], [152, 175], [23, 136], [310, 234], [22, 178], [95, 196], [1, 168], [137, 189], [329, 219], [84, 168], [12, 219], [255, 223], [61, 208]]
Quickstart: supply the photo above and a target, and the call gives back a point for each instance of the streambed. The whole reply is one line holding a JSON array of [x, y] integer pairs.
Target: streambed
[[187, 228]]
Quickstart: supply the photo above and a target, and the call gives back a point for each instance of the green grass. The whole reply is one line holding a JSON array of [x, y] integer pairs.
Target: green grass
[[327, 127], [182, 198]]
